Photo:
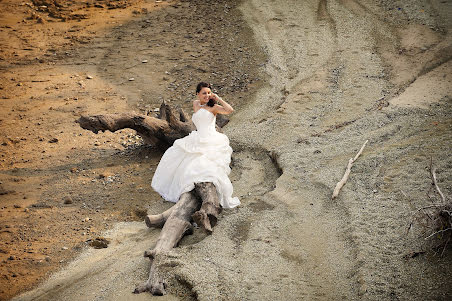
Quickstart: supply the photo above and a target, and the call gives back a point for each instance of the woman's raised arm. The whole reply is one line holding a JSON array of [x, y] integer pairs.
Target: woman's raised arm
[[223, 107]]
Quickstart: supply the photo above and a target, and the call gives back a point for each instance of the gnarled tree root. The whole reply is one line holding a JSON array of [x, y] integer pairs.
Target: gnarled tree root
[[158, 220], [176, 223], [160, 132], [207, 216], [176, 226]]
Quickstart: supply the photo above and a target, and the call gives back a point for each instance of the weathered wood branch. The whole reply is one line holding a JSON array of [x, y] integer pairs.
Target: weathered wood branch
[[436, 218], [160, 132], [207, 216], [158, 220], [176, 226], [176, 222], [344, 179], [435, 182]]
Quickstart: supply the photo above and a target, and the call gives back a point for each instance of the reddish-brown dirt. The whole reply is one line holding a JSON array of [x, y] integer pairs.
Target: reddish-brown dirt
[[60, 185]]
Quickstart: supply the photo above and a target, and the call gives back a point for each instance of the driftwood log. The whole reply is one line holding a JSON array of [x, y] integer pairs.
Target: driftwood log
[[200, 205], [176, 223], [159, 131]]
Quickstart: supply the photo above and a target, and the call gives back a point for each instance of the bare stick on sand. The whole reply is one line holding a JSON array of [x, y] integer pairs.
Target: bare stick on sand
[[434, 182], [347, 172]]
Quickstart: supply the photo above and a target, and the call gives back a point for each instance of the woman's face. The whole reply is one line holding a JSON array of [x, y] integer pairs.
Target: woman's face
[[204, 95]]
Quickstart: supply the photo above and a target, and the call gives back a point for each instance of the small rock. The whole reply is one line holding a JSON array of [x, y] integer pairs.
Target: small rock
[[53, 140], [131, 79], [67, 200], [144, 61], [26, 210], [105, 175], [64, 248], [89, 77], [74, 169], [17, 206], [12, 257], [98, 243], [86, 219], [48, 259]]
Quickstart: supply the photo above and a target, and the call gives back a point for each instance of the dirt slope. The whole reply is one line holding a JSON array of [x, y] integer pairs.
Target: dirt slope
[[61, 185]]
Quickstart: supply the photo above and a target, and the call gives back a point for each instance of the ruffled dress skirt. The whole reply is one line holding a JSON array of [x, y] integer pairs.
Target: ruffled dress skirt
[[202, 156]]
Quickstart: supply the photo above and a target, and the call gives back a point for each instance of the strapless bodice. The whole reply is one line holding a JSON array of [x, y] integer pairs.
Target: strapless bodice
[[204, 121]]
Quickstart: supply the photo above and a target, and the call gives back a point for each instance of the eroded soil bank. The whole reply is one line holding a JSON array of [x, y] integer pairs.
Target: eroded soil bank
[[310, 80]]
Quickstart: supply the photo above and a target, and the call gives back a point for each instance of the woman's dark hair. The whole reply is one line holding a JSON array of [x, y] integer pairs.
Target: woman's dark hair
[[211, 102], [199, 87], [202, 85]]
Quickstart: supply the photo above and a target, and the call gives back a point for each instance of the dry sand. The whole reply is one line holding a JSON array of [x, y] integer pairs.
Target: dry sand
[[311, 81]]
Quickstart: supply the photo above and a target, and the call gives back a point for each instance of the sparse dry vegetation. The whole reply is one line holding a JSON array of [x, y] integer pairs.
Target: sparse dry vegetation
[[436, 218]]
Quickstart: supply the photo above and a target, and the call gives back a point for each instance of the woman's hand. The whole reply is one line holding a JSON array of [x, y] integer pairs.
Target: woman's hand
[[222, 106], [215, 97]]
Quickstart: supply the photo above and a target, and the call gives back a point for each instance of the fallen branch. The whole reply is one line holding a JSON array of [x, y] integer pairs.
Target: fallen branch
[[160, 132], [434, 182], [207, 216], [439, 232], [437, 217], [158, 220], [347, 173], [176, 222], [176, 226]]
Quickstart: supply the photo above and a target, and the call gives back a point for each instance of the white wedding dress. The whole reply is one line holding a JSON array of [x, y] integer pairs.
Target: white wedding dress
[[202, 156]]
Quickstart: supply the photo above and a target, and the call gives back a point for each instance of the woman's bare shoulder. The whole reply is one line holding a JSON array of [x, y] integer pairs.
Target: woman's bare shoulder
[[196, 105]]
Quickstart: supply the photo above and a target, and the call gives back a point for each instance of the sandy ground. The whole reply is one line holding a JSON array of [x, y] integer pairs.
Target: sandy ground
[[310, 81]]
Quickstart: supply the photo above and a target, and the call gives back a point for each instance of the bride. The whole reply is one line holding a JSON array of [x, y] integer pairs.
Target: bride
[[202, 156]]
